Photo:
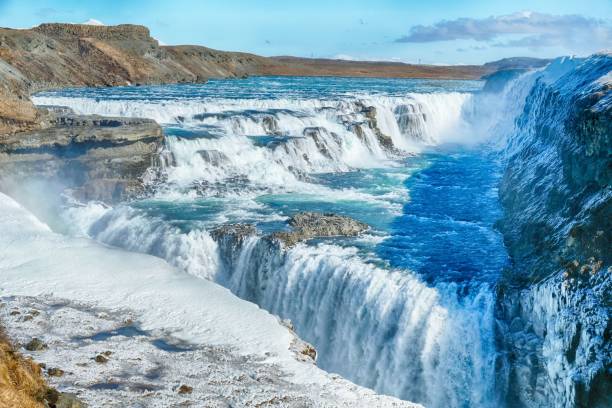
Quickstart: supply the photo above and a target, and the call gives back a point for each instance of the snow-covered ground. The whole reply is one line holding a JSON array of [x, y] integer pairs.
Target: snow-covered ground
[[163, 328]]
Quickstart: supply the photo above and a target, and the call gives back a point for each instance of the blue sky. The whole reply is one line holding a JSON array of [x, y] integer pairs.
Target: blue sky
[[432, 32]]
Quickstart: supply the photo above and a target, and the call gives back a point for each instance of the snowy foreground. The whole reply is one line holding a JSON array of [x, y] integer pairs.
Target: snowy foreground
[[163, 329]]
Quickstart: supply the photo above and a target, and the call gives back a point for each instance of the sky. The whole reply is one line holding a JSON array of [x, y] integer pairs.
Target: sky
[[429, 32]]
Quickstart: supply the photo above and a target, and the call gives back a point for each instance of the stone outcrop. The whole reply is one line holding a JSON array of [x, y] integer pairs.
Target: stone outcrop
[[384, 140], [95, 157], [308, 225], [17, 112], [304, 226]]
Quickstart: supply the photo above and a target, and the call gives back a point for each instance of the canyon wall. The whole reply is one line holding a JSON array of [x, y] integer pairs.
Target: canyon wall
[[554, 301]]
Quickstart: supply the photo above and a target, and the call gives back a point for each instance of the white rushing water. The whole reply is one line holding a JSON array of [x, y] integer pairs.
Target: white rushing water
[[383, 327], [304, 136]]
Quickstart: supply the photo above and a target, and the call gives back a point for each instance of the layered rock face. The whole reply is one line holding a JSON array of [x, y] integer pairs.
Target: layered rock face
[[554, 304], [17, 112], [97, 158], [304, 226]]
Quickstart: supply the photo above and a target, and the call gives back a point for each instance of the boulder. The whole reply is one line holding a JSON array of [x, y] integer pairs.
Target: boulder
[[55, 372], [185, 389], [308, 225], [101, 359], [35, 345]]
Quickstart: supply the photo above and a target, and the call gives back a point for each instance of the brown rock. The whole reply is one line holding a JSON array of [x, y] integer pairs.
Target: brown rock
[[58, 399], [101, 359], [185, 389], [308, 225], [309, 351], [55, 372], [35, 345]]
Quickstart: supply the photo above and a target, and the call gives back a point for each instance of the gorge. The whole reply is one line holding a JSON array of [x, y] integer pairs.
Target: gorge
[[442, 241]]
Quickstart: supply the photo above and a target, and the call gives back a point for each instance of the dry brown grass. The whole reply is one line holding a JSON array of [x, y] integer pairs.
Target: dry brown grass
[[21, 381]]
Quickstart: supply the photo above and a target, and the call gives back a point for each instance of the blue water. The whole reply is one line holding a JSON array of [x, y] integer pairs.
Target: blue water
[[446, 231], [274, 88]]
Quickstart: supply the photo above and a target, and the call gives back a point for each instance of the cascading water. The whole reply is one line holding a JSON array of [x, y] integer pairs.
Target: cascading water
[[258, 160], [408, 308]]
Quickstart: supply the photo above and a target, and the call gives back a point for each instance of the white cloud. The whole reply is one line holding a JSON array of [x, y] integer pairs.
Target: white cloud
[[534, 29]]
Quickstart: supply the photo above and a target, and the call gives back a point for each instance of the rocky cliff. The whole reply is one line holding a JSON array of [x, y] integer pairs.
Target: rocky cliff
[[554, 304], [96, 158]]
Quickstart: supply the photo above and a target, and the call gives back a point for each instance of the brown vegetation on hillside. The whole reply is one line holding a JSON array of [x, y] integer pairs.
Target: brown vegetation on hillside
[[21, 382]]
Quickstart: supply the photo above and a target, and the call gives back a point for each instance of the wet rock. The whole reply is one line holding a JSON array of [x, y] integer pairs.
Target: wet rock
[[213, 157], [238, 232], [308, 225], [55, 372], [35, 345], [56, 399], [552, 234], [185, 389], [384, 140], [316, 134], [270, 125], [92, 157]]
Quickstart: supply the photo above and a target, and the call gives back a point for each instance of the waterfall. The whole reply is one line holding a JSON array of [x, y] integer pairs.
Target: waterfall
[[384, 329], [444, 343]]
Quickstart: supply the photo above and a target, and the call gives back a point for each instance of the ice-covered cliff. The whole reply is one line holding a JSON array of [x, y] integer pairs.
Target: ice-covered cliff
[[554, 301]]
